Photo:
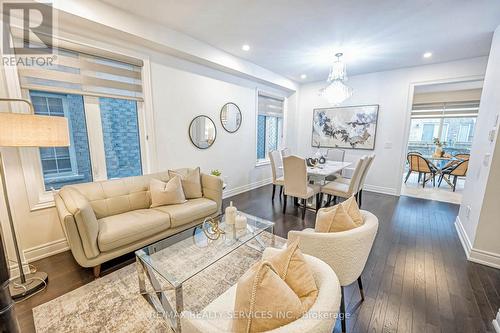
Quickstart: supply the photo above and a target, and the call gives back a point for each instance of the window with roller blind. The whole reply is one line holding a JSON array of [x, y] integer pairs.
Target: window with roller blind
[[101, 94], [453, 123], [270, 114]]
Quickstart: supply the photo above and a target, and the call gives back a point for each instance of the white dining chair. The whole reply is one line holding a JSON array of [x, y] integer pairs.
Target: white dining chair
[[346, 252], [296, 185], [344, 189], [335, 154], [285, 152], [277, 170], [363, 178]]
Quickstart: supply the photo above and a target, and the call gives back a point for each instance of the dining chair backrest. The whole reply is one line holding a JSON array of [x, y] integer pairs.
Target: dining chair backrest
[[365, 171], [463, 156], [418, 163], [460, 169], [415, 152], [285, 152], [335, 154], [357, 174], [276, 164], [295, 173]]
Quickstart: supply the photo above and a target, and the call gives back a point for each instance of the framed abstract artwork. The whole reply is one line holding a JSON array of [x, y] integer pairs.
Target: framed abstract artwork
[[352, 127]]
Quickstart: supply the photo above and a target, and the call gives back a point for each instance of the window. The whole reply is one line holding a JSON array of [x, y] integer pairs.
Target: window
[[269, 125], [64, 165], [453, 123], [101, 98], [120, 128]]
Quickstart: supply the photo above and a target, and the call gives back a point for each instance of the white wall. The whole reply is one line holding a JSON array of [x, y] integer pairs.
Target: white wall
[[180, 91], [392, 90], [480, 229]]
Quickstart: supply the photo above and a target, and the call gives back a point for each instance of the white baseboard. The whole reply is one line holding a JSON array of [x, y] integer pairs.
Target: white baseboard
[[496, 322], [46, 250], [245, 188], [464, 238], [476, 255], [381, 189]]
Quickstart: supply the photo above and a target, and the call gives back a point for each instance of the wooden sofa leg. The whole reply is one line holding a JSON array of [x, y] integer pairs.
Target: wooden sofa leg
[[97, 271]]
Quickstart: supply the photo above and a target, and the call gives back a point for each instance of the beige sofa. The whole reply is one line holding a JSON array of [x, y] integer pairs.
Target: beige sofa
[[106, 219]]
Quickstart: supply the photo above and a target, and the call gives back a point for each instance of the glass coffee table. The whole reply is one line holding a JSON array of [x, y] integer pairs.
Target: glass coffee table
[[170, 262]]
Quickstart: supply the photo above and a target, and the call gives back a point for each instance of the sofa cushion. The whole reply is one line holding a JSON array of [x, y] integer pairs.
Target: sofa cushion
[[127, 228], [191, 181], [169, 193], [189, 211]]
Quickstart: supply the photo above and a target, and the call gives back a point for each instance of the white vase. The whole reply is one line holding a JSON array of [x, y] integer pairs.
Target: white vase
[[231, 212]]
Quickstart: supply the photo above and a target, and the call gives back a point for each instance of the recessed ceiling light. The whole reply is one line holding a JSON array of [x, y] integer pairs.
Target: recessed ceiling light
[[303, 76], [245, 47], [427, 54]]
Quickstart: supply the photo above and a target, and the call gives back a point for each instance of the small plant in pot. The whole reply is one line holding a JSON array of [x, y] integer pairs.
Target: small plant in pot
[[215, 173], [439, 152]]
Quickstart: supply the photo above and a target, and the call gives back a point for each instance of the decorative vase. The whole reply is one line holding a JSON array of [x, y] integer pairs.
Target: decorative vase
[[241, 221], [438, 152], [231, 212]]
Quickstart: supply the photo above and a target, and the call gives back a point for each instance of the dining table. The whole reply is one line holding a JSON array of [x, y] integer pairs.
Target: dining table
[[440, 162]]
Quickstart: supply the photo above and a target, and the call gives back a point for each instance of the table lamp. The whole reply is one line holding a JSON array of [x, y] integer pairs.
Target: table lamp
[[28, 130]]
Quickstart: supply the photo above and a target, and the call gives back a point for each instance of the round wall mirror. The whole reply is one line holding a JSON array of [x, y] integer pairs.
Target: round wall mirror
[[202, 132], [230, 117]]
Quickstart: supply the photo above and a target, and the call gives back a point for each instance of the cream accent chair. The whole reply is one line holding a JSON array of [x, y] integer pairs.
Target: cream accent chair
[[346, 252], [215, 318], [295, 172], [277, 169], [104, 220], [345, 189]]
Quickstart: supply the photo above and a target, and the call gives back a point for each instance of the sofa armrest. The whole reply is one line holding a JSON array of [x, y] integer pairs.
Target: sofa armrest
[[74, 203], [212, 189]]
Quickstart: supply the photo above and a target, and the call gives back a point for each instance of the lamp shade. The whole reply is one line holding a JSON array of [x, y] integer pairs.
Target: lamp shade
[[28, 130]]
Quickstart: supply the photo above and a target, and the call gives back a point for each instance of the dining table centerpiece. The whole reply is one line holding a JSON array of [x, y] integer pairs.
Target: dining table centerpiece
[[438, 151]]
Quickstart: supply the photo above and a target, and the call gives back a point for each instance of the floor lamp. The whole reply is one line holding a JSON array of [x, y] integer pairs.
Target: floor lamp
[[27, 130]]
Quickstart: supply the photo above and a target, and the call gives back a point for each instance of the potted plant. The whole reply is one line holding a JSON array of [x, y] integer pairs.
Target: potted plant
[[215, 173], [438, 152]]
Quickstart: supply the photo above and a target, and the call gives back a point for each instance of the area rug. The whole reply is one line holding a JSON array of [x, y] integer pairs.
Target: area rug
[[113, 303]]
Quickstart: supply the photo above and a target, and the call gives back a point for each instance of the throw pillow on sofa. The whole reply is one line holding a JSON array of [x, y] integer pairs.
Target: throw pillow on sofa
[[333, 219], [169, 193], [264, 301], [191, 181]]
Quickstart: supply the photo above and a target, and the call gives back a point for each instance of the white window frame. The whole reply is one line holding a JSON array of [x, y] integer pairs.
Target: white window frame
[[38, 197], [266, 161]]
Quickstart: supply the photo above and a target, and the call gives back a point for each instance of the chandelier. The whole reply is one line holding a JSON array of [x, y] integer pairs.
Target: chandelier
[[336, 91]]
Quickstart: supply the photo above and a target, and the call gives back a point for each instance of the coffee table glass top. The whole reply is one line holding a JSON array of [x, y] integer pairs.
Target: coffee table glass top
[[181, 256]]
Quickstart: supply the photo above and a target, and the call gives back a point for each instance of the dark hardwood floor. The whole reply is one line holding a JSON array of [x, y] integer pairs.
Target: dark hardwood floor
[[417, 278]]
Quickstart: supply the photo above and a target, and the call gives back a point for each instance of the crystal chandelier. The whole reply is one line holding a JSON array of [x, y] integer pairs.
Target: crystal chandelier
[[336, 91]]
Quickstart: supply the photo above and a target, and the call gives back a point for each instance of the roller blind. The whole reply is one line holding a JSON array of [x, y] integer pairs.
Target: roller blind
[[74, 71], [270, 106], [445, 110]]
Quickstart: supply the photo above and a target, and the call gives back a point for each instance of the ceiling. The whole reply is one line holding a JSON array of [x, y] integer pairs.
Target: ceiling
[[294, 37], [449, 86]]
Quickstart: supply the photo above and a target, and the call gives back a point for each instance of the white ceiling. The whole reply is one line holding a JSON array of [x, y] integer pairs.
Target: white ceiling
[[450, 86], [294, 37]]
